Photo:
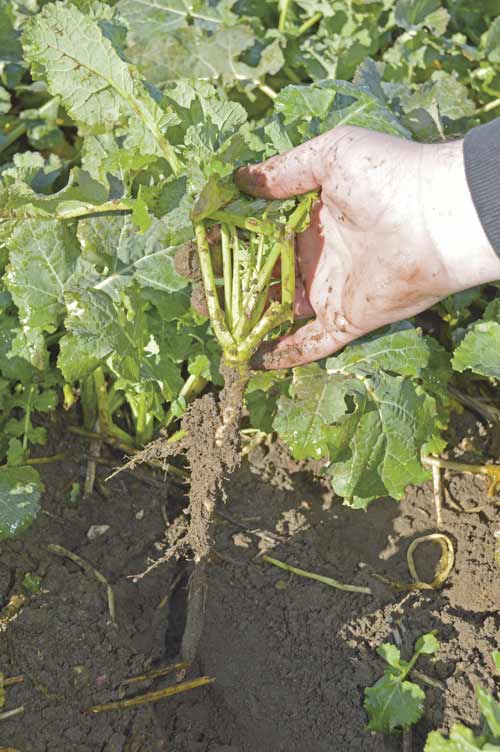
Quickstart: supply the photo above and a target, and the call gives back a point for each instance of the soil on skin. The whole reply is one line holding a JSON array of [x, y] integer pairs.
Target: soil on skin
[[291, 657]]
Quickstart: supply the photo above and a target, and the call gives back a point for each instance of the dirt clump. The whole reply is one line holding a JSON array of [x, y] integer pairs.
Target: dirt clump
[[209, 440]]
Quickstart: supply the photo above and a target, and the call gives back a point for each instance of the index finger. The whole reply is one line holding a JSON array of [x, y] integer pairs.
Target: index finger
[[290, 174]]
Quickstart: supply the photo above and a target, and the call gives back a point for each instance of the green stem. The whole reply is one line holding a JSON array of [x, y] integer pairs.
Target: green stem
[[257, 293], [228, 273], [489, 106], [310, 22], [301, 211], [140, 420], [275, 315], [265, 89], [27, 416], [193, 386], [41, 461], [22, 126], [318, 577], [45, 460], [12, 136], [260, 252], [288, 270], [89, 402], [236, 283], [71, 213], [461, 467], [103, 413], [126, 447], [245, 223], [284, 5], [258, 310], [290, 73], [207, 272]]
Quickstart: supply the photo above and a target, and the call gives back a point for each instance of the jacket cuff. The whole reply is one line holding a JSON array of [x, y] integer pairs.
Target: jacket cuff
[[482, 170]]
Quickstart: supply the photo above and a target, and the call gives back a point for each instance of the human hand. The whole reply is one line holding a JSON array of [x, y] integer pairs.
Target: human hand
[[393, 232]]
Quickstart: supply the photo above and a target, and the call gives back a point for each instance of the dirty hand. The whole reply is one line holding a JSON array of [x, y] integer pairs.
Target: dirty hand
[[393, 232]]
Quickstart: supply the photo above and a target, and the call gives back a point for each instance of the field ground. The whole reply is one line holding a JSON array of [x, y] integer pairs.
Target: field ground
[[291, 657]]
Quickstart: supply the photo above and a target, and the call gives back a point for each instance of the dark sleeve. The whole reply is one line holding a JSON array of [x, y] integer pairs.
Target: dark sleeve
[[482, 168]]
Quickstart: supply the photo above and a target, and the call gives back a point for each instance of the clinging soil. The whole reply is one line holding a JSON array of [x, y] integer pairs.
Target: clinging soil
[[291, 657]]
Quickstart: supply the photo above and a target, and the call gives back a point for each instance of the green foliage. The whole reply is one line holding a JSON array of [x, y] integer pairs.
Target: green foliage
[[369, 412], [479, 351], [117, 120], [20, 491], [463, 739], [394, 703]]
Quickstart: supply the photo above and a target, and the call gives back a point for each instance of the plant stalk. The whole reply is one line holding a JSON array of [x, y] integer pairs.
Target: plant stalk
[[207, 271]]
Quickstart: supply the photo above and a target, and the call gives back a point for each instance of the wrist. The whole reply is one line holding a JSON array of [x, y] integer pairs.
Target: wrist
[[451, 220]]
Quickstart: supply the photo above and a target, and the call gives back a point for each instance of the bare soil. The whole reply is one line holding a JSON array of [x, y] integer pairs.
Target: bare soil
[[291, 657]]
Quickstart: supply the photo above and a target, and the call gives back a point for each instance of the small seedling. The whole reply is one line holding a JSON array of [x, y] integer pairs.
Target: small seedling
[[463, 739], [393, 703]]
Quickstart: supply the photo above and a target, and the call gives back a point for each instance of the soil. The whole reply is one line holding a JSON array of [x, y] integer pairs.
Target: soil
[[291, 657]]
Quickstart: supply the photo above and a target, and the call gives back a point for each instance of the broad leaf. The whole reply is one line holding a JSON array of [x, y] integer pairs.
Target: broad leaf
[[394, 702], [100, 328], [20, 491], [480, 350], [316, 402], [43, 266], [123, 256], [72, 53]]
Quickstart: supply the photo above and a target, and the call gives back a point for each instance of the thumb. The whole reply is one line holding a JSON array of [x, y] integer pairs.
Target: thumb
[[310, 342], [288, 174]]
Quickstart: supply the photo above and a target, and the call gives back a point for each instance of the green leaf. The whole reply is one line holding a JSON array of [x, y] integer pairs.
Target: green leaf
[[461, 739], [316, 401], [122, 255], [318, 108], [20, 491], [263, 392], [393, 704], [392, 655], [490, 710], [405, 352], [100, 328], [370, 413], [492, 41], [72, 53], [428, 644], [10, 46], [43, 265], [22, 350], [413, 14], [442, 96], [496, 659], [480, 350], [384, 436]]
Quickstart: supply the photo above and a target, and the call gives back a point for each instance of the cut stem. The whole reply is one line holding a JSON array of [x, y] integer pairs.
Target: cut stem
[[318, 577], [438, 494], [156, 673], [11, 713], [160, 694], [492, 471]]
